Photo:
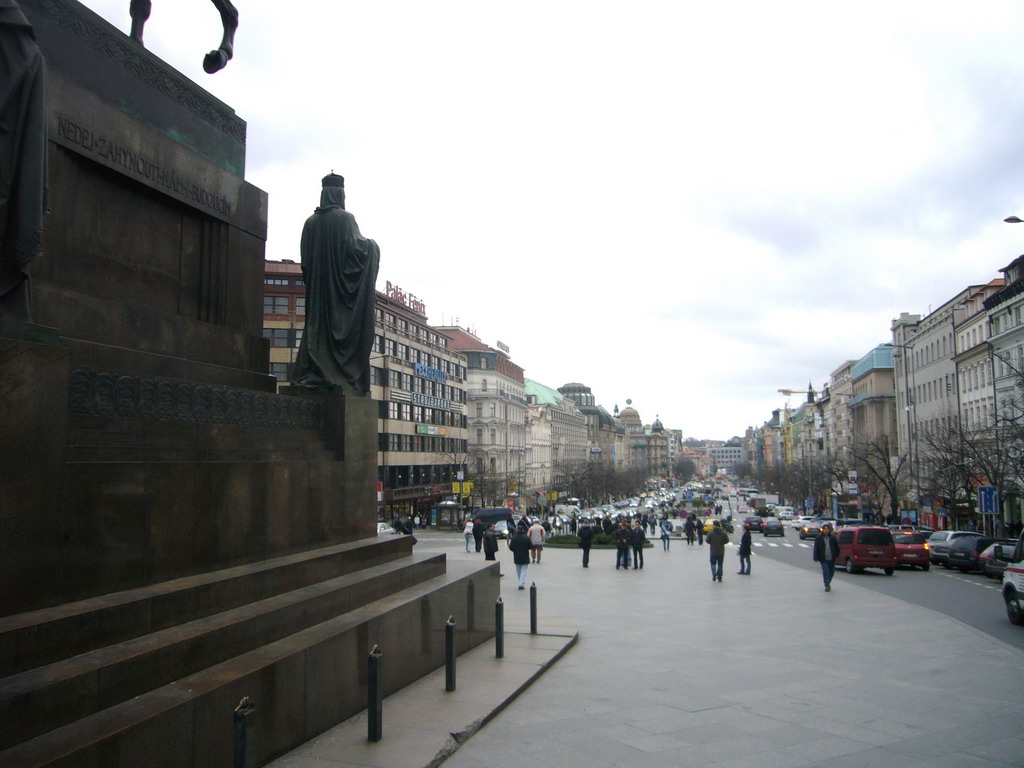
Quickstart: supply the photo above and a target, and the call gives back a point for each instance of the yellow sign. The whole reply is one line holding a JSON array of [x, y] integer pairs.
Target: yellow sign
[[511, 485], [465, 486]]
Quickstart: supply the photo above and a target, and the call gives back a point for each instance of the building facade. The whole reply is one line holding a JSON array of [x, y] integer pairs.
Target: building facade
[[497, 430]]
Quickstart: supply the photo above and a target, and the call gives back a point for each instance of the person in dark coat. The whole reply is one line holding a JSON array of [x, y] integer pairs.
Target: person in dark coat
[[478, 533], [699, 529], [717, 540], [826, 552], [622, 542], [490, 543], [637, 539], [520, 546], [688, 529], [745, 551], [586, 534]]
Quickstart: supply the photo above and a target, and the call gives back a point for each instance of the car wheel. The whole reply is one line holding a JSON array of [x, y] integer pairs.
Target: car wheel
[[1014, 612], [964, 570], [849, 566], [889, 571], [925, 567], [947, 566]]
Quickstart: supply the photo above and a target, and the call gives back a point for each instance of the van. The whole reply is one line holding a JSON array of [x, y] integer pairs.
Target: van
[[867, 547]]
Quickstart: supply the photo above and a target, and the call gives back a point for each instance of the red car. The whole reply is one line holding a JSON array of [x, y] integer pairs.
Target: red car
[[911, 549]]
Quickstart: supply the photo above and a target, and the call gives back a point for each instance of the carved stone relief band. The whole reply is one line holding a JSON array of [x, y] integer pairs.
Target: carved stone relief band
[[134, 397]]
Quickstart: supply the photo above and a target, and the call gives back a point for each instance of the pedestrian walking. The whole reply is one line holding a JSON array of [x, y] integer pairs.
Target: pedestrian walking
[[717, 539], [490, 542], [478, 533], [622, 540], [666, 529], [699, 526], [745, 551], [637, 539], [520, 546], [586, 535], [688, 530], [826, 551], [468, 532], [537, 534]]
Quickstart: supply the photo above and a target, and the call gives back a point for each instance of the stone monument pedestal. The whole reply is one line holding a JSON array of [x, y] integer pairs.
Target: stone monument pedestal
[[174, 534]]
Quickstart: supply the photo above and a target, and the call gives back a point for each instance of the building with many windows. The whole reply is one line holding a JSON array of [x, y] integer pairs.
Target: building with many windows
[[416, 379], [606, 436], [284, 314], [496, 419], [557, 448], [419, 384]]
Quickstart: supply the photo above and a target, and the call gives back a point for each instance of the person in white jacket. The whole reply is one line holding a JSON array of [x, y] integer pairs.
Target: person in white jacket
[[468, 530]]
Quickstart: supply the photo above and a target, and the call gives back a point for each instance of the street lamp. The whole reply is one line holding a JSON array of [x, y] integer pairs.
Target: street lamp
[[910, 406], [1013, 220]]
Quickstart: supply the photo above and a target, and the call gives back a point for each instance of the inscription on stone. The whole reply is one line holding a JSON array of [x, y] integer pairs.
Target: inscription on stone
[[91, 142]]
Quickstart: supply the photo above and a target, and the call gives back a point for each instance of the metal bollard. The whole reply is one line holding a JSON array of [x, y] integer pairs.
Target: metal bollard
[[374, 700], [244, 741], [449, 654], [533, 608], [499, 629]]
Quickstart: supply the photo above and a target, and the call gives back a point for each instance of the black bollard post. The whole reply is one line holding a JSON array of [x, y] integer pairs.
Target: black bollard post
[[449, 654], [374, 700], [244, 745], [499, 629], [533, 608]]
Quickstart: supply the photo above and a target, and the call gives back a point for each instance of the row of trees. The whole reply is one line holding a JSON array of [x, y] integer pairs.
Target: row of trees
[[953, 459]]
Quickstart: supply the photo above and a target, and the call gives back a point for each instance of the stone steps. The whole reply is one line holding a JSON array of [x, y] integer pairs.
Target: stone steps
[[301, 683], [41, 699], [34, 639]]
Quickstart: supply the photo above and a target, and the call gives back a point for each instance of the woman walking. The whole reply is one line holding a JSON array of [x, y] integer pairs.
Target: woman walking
[[745, 551]]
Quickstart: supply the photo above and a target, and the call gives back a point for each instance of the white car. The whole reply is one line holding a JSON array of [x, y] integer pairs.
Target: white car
[[798, 522], [383, 529]]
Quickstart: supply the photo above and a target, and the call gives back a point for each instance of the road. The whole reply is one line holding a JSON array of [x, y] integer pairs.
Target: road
[[970, 598]]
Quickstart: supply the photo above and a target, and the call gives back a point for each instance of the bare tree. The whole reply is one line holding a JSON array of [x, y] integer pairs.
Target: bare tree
[[884, 469]]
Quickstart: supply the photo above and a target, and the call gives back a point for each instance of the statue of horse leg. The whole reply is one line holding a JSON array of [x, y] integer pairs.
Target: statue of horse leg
[[139, 11], [216, 60]]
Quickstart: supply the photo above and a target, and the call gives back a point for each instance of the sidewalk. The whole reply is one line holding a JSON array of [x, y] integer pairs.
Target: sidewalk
[[762, 671]]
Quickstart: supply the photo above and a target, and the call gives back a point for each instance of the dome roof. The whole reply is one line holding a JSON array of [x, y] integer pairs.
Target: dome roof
[[657, 426], [629, 411]]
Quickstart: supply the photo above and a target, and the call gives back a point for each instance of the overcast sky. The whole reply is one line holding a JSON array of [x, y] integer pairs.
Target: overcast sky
[[691, 205]]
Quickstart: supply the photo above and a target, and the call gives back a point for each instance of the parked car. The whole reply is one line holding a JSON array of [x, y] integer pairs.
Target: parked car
[[964, 551], [756, 524], [994, 559], [911, 549], [383, 529], [938, 544], [1013, 581], [867, 547], [772, 526]]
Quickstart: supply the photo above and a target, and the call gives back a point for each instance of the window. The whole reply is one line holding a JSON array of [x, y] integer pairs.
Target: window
[[300, 305], [279, 371], [483, 384], [274, 281], [275, 305], [278, 336]]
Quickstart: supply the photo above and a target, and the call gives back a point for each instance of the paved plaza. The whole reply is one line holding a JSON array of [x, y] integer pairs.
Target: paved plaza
[[671, 669]]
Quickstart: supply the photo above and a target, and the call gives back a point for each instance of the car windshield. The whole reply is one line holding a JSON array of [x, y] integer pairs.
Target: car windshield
[[908, 538]]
